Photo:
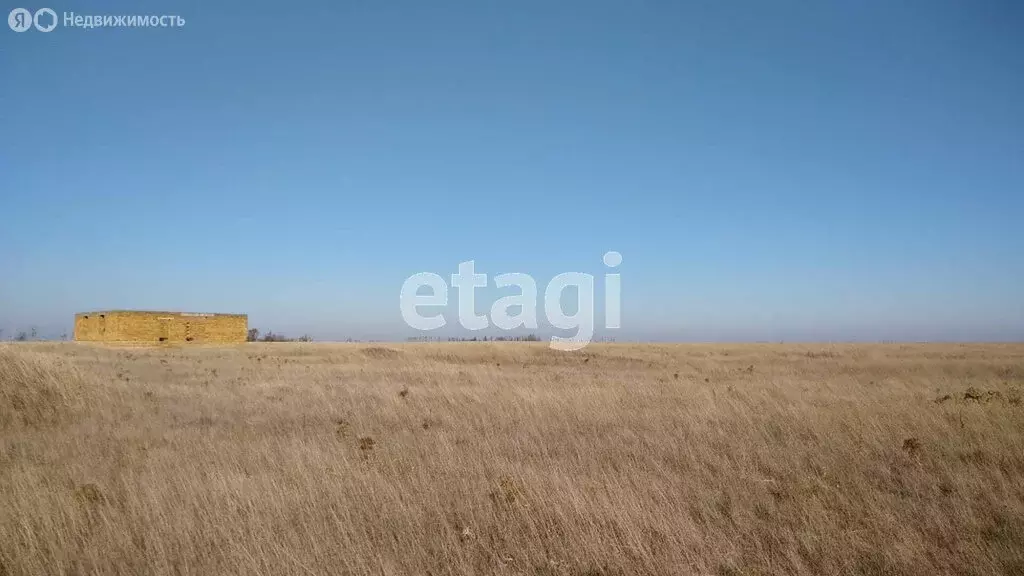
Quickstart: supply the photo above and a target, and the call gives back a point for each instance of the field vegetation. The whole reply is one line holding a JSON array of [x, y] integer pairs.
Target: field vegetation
[[511, 458]]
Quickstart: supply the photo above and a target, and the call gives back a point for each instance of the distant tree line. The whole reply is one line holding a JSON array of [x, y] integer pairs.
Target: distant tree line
[[270, 336], [527, 338], [23, 335]]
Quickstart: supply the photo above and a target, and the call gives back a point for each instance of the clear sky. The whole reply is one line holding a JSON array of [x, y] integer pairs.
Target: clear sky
[[782, 170]]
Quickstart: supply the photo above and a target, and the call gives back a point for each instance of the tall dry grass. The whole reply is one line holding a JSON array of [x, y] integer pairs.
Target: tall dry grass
[[512, 459]]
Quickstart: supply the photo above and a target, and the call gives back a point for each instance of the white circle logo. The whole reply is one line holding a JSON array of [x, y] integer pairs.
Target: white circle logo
[[45, 24], [20, 19]]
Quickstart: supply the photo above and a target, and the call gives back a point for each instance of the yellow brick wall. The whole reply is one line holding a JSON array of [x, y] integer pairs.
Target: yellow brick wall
[[155, 327]]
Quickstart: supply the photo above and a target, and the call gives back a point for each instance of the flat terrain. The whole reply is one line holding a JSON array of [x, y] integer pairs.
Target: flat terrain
[[512, 459]]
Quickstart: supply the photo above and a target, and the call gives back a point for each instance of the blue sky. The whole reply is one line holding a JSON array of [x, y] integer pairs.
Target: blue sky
[[768, 170]]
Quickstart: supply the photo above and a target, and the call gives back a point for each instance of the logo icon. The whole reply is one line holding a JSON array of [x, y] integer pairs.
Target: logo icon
[[45, 25], [20, 19]]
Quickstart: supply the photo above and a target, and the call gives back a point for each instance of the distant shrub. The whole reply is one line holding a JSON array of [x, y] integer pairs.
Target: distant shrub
[[270, 336]]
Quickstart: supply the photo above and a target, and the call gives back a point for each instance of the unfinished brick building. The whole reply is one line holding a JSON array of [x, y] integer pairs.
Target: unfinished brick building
[[156, 327]]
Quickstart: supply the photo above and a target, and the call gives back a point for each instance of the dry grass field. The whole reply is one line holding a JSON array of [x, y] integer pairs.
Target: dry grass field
[[502, 458]]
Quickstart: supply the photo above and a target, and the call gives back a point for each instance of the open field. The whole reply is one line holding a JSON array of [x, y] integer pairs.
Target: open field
[[512, 459]]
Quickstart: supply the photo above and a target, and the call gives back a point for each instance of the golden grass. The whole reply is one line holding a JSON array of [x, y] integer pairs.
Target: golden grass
[[512, 459]]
